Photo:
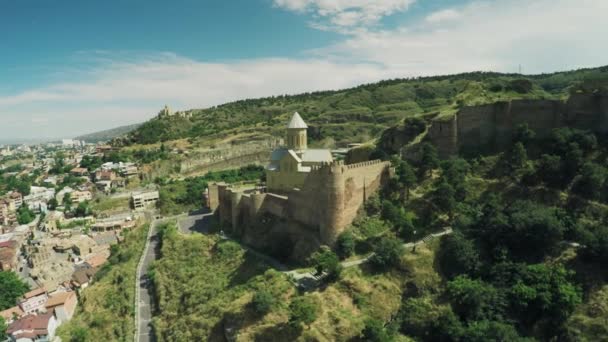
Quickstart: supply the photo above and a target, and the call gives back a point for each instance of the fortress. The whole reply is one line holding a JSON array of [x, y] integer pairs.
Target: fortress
[[308, 201], [491, 126]]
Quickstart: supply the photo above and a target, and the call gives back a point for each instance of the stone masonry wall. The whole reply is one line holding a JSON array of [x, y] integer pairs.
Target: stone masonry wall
[[491, 126]]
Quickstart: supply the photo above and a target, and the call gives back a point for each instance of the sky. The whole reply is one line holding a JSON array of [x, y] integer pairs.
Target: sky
[[69, 67]]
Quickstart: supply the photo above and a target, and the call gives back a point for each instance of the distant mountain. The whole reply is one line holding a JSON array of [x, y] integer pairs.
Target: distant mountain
[[360, 113], [108, 134]]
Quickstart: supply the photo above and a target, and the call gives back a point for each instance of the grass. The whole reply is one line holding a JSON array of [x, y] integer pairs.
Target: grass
[[105, 311], [103, 204]]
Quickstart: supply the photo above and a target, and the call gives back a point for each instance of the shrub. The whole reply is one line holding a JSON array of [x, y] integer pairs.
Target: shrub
[[263, 301], [387, 253], [303, 310]]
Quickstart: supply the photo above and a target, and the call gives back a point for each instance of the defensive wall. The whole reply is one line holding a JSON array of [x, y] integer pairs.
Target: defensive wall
[[491, 126], [319, 211]]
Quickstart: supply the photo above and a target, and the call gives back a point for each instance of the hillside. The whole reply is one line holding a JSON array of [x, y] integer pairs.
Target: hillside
[[107, 134], [358, 114], [524, 262]]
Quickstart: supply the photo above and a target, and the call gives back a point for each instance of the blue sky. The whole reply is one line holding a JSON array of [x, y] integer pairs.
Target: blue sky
[[71, 67]]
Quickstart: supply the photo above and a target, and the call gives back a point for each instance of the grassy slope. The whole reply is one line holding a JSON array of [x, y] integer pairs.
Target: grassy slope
[[105, 311], [199, 297], [356, 114]]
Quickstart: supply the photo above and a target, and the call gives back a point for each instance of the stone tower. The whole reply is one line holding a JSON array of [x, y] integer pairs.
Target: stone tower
[[296, 133]]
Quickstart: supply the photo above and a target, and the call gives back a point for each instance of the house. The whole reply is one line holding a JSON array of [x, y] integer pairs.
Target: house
[[33, 328], [104, 186], [83, 276], [34, 301], [11, 314], [105, 175], [81, 196], [79, 172], [144, 199], [15, 199], [7, 216], [8, 255], [64, 305]]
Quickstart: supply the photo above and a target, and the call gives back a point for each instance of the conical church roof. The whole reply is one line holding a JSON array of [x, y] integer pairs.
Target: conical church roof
[[296, 122]]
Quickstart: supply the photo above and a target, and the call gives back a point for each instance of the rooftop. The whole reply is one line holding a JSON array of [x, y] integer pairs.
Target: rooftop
[[296, 122]]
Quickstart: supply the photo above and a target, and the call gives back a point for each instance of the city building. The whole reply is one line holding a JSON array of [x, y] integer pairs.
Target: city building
[[144, 200]]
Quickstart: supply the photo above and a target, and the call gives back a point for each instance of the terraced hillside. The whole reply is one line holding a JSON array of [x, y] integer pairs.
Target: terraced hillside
[[361, 113]]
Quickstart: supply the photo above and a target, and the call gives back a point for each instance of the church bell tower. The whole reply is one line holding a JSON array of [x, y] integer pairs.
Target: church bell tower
[[296, 133]]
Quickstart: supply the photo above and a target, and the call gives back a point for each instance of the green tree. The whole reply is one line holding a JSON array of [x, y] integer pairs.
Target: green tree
[[375, 331], [475, 299], [387, 253], [429, 160], [457, 255], [3, 328], [550, 170], [303, 309], [12, 288], [83, 209], [523, 134], [444, 197], [25, 215], [517, 157], [485, 331], [544, 292], [52, 204], [263, 301], [591, 181], [327, 261], [407, 177], [346, 244]]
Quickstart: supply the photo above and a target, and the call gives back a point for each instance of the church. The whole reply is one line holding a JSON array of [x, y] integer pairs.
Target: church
[[290, 165]]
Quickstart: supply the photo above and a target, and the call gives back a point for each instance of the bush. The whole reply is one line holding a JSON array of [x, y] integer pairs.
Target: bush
[[303, 310], [327, 261], [375, 332], [263, 301], [346, 244], [387, 253]]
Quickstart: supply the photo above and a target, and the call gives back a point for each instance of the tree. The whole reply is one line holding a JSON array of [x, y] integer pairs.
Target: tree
[[549, 170], [387, 253], [443, 197], [375, 331], [407, 177], [263, 301], [429, 160], [517, 158], [12, 288], [345, 245], [303, 309], [523, 134], [327, 261], [475, 299], [3, 328], [25, 215], [457, 255], [590, 183], [53, 204], [544, 292], [83, 209], [486, 330]]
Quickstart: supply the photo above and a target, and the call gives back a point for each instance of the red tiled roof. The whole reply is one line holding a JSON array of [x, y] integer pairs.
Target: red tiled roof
[[31, 323], [9, 313], [59, 299], [34, 293]]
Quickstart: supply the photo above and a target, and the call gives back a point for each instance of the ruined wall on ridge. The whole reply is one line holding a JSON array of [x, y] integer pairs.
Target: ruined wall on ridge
[[491, 126]]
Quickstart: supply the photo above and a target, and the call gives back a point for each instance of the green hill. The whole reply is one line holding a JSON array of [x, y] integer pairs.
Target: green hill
[[361, 113], [108, 134]]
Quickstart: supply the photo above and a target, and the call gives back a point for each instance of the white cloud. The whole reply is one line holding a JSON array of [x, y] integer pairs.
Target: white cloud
[[443, 15], [343, 15], [543, 36]]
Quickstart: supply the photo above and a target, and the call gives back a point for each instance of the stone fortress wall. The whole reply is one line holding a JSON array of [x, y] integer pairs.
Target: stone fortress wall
[[324, 206], [492, 125]]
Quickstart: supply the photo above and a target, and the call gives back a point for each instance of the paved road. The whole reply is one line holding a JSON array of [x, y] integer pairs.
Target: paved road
[[143, 289]]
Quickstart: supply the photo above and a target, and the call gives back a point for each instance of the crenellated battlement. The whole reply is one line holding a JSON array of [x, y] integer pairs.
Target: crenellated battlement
[[367, 163]]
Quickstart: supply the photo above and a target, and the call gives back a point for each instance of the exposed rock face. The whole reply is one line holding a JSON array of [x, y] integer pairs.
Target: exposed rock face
[[491, 126]]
